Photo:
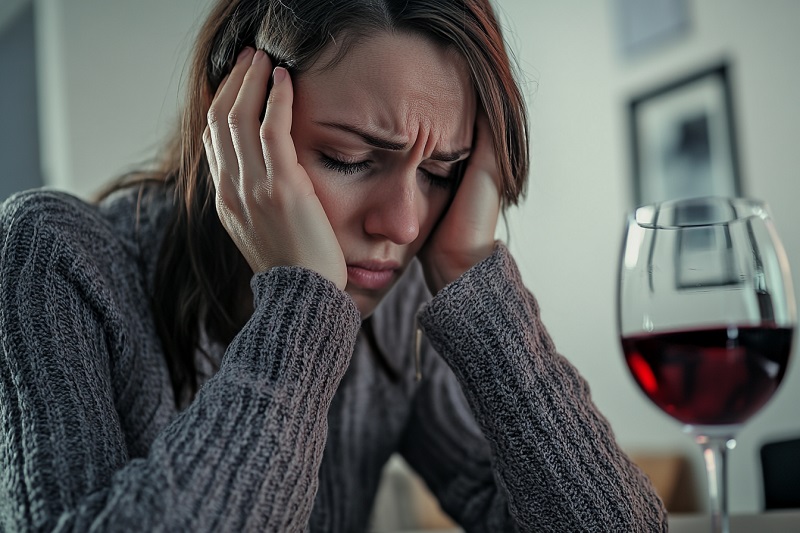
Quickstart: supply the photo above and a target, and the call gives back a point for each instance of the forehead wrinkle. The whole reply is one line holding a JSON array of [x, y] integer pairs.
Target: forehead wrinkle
[[399, 98], [404, 124], [382, 142], [439, 123]]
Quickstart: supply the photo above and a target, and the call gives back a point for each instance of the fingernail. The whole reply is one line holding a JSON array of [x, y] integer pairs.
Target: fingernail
[[245, 51], [279, 74], [258, 56]]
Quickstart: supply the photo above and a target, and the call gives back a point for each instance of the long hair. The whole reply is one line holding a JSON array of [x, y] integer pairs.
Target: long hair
[[199, 271]]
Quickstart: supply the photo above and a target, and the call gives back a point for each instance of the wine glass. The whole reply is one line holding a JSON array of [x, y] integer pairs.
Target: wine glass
[[706, 315]]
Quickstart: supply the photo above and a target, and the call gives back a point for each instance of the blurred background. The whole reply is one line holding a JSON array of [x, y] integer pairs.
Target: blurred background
[[90, 88]]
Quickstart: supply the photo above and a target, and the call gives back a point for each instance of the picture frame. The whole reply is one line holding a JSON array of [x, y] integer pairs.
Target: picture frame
[[683, 139], [644, 26]]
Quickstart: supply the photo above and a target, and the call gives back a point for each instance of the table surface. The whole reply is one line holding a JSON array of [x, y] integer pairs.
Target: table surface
[[769, 522]]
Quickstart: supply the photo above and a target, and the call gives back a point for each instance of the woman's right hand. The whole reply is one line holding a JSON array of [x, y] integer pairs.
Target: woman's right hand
[[264, 198]]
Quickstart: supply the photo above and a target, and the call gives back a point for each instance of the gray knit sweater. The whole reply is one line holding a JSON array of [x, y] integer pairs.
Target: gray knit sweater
[[292, 432]]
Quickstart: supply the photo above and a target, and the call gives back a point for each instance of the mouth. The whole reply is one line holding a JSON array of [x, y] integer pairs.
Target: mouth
[[372, 275]]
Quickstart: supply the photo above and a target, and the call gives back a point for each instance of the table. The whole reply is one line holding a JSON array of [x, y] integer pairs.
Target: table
[[769, 522]]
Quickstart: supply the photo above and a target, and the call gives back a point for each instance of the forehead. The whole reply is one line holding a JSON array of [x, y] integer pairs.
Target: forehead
[[394, 82]]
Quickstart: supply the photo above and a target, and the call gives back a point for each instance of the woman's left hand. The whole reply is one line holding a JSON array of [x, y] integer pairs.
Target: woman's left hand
[[465, 236]]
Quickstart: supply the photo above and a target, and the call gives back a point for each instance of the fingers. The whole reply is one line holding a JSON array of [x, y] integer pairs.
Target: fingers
[[483, 155], [221, 140], [276, 141], [244, 120], [480, 187], [465, 235], [243, 154], [231, 139], [210, 156], [209, 145]]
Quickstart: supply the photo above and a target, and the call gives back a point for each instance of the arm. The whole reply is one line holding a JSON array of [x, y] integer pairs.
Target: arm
[[554, 455], [444, 445], [244, 455]]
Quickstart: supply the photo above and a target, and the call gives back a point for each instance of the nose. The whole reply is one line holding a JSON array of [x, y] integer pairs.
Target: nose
[[393, 209]]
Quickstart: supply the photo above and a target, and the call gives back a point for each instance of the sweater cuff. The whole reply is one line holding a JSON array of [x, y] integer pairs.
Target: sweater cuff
[[482, 301], [493, 277], [302, 332]]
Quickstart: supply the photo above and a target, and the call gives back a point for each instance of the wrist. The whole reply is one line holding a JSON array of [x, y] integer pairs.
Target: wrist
[[440, 274]]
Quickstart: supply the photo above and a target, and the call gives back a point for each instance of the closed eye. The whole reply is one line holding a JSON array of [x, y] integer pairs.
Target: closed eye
[[344, 167], [443, 182], [447, 176], [348, 168]]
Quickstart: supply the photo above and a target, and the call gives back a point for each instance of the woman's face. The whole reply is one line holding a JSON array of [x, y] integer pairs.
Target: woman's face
[[380, 134]]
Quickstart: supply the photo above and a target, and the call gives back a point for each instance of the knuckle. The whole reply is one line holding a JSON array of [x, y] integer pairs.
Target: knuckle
[[231, 218], [268, 133], [250, 203], [226, 197], [234, 119], [212, 117]]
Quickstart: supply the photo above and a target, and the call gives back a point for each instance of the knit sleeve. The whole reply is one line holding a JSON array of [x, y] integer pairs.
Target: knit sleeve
[[243, 456], [553, 456]]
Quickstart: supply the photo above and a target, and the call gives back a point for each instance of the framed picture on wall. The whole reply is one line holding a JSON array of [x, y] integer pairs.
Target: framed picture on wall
[[683, 140], [644, 26]]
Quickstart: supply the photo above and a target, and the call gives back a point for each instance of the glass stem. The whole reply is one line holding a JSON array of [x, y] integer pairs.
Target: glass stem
[[715, 456]]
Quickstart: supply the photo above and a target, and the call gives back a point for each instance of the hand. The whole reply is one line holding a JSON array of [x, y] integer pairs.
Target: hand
[[264, 198], [465, 236]]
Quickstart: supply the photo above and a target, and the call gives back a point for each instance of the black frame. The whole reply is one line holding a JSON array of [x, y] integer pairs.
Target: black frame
[[718, 74]]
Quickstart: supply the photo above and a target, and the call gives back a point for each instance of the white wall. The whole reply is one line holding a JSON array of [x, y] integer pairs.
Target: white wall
[[9, 10], [109, 72], [19, 138]]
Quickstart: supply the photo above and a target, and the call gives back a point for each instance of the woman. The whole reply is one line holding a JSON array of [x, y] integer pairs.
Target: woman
[[229, 345]]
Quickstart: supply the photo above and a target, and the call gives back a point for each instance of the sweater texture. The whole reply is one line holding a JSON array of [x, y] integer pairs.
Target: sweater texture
[[293, 430]]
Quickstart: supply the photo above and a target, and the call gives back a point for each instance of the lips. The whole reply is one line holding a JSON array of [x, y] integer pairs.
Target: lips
[[372, 275]]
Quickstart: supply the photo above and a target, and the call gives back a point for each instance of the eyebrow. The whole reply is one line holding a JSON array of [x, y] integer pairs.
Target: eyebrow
[[386, 144]]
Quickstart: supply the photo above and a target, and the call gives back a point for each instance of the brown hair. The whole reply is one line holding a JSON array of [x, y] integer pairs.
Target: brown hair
[[200, 271]]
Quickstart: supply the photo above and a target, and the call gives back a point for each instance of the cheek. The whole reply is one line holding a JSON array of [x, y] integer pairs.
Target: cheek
[[336, 197], [433, 206], [342, 197]]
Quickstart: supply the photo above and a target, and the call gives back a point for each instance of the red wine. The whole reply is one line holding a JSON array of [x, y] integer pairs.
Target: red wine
[[710, 376]]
